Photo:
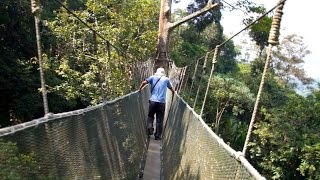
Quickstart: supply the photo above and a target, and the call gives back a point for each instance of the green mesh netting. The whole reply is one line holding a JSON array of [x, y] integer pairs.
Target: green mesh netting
[[107, 141], [190, 150], [142, 70]]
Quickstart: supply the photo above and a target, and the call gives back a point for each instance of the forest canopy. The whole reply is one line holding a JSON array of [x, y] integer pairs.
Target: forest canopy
[[83, 69]]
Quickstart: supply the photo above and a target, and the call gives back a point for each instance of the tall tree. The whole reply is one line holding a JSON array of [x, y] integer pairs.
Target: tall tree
[[166, 26], [78, 64], [259, 31], [19, 78], [310, 163], [296, 124], [89, 67], [228, 92], [288, 61], [193, 44], [201, 22]]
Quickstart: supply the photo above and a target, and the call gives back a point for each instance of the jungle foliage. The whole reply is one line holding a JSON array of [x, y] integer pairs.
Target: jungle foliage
[[285, 144], [83, 69], [82, 66]]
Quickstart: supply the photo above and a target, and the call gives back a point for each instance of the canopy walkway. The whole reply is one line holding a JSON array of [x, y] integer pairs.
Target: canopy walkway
[[108, 141]]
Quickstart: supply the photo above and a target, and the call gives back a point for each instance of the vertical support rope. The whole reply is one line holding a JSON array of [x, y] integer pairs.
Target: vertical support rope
[[194, 75], [255, 109], [181, 79], [273, 40], [107, 74], [101, 74], [204, 67], [112, 93], [35, 9], [185, 78], [214, 61]]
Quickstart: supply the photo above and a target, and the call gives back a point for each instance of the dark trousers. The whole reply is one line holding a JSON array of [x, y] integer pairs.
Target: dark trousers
[[158, 109]]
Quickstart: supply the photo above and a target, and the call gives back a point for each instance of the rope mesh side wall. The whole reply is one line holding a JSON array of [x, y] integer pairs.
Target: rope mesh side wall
[[107, 141], [190, 151], [142, 70], [176, 76]]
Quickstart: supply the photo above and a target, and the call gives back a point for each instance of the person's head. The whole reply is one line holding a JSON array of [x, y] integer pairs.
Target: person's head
[[160, 72]]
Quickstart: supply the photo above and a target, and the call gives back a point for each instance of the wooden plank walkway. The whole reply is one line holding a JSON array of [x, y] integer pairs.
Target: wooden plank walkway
[[153, 163]]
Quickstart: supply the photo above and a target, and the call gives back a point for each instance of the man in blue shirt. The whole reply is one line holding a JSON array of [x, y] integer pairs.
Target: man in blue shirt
[[158, 84]]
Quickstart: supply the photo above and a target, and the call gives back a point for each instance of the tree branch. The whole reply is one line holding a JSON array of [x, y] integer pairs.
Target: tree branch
[[208, 7], [219, 119]]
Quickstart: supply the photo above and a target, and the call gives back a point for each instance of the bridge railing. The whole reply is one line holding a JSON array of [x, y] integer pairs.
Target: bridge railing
[[190, 149], [107, 141]]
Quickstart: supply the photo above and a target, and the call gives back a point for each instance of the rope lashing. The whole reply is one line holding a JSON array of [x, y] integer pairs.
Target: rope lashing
[[214, 61], [204, 67], [35, 8], [36, 11], [275, 27], [273, 40]]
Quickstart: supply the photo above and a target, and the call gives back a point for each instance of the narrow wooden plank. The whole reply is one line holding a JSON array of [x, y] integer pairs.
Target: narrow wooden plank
[[153, 162]]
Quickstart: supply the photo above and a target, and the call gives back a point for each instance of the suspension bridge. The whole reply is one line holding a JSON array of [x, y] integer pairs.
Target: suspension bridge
[[108, 141]]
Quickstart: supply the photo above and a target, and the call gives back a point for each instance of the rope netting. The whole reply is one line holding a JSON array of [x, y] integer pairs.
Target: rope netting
[[142, 70], [177, 76], [191, 150], [107, 141]]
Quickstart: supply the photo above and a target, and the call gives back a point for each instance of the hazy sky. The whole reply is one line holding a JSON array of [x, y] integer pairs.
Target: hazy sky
[[298, 18]]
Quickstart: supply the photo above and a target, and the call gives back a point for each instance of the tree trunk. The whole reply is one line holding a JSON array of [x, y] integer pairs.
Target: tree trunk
[[162, 59], [165, 27]]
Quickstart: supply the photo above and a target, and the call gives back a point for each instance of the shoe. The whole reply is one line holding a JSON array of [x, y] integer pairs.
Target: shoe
[[157, 138], [150, 131]]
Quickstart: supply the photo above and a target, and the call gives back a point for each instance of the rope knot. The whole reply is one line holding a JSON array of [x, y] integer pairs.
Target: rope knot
[[215, 55], [35, 8], [274, 31], [238, 154]]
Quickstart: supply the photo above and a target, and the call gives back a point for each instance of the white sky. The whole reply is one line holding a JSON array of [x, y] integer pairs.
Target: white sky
[[298, 18]]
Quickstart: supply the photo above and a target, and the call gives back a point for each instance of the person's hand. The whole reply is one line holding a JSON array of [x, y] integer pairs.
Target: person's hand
[[172, 96], [142, 85]]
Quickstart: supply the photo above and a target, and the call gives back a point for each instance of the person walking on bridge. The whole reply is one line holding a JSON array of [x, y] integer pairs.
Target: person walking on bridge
[[157, 102]]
